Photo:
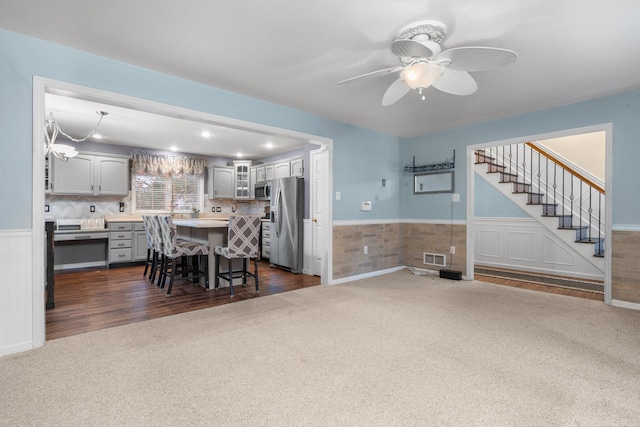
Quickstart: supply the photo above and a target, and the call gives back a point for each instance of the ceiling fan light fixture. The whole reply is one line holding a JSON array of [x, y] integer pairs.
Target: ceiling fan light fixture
[[421, 74]]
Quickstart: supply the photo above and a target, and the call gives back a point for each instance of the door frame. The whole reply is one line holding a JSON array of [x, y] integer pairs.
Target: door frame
[[608, 209], [43, 85]]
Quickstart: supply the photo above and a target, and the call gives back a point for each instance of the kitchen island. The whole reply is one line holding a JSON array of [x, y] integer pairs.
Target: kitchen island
[[212, 232]]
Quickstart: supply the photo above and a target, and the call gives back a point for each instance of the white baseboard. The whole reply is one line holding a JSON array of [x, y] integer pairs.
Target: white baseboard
[[625, 304], [16, 348], [366, 275]]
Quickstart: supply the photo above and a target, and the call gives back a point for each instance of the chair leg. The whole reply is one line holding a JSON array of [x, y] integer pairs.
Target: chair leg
[[206, 271], [146, 264], [230, 279], [255, 269], [216, 280], [173, 272], [244, 271], [154, 265]]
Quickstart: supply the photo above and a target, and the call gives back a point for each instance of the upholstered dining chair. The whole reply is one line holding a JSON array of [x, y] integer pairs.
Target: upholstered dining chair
[[156, 235], [152, 258], [174, 249], [243, 242]]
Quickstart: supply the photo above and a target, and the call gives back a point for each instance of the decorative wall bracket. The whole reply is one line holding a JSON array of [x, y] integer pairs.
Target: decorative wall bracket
[[433, 166]]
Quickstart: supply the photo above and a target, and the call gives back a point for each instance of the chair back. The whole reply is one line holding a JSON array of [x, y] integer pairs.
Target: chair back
[[169, 232], [156, 236], [146, 219], [244, 236]]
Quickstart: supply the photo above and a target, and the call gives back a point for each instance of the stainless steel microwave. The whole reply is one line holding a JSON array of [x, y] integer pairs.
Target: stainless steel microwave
[[263, 191]]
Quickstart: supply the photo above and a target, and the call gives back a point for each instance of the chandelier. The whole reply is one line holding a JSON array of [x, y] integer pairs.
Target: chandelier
[[63, 151]]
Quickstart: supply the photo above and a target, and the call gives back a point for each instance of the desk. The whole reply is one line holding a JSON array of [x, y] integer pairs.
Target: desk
[[209, 231]]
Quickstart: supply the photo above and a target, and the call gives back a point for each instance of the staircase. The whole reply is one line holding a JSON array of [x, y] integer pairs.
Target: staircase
[[566, 201]]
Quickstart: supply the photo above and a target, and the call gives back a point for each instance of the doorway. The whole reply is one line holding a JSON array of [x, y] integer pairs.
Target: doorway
[[472, 228], [42, 86]]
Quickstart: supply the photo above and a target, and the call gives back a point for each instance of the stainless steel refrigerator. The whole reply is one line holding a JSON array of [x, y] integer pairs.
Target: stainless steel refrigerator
[[287, 210]]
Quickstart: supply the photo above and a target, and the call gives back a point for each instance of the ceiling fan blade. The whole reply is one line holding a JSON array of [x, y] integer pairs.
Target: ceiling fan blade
[[476, 58], [376, 73], [415, 48], [397, 90], [455, 82]]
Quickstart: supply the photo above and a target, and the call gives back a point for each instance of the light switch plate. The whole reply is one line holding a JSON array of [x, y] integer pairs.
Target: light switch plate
[[455, 197], [338, 195]]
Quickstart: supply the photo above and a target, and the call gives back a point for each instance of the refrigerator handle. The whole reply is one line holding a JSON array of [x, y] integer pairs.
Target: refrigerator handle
[[278, 207]]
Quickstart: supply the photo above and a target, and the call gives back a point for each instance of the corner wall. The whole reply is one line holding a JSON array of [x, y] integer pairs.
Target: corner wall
[[394, 244]]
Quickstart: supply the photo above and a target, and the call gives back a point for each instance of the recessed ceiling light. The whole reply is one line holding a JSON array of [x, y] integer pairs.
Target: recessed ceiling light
[[97, 136], [173, 148], [206, 134], [269, 145], [239, 154]]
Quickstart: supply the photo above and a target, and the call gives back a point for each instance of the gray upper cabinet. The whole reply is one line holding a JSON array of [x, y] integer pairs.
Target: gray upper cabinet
[[221, 183], [90, 175], [297, 167], [282, 170], [112, 176]]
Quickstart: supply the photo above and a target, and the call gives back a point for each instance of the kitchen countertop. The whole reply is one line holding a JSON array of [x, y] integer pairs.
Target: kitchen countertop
[[202, 223], [177, 217]]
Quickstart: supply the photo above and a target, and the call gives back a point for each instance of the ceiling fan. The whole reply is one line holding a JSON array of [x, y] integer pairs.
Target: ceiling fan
[[424, 64]]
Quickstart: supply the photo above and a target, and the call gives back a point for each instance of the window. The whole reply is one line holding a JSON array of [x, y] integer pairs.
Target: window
[[157, 193]]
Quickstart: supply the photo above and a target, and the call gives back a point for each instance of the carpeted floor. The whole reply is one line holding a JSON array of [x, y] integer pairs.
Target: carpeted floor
[[398, 349]]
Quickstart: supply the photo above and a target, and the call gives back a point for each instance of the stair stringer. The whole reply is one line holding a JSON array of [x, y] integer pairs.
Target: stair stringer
[[584, 250]]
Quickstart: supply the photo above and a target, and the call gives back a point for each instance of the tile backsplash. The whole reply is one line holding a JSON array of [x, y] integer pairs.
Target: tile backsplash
[[73, 207]]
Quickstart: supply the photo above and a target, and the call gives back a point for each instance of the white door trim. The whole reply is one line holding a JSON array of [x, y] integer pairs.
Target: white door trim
[[42, 85]]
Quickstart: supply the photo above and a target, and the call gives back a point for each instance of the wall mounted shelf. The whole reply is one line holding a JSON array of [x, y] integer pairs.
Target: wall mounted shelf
[[433, 166]]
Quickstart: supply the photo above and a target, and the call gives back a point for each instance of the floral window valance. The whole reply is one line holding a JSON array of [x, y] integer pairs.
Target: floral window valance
[[157, 164]]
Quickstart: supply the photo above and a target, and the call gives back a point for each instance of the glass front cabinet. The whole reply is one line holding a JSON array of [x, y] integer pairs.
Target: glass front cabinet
[[242, 182]]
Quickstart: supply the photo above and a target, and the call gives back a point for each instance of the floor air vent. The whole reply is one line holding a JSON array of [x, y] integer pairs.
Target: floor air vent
[[434, 259]]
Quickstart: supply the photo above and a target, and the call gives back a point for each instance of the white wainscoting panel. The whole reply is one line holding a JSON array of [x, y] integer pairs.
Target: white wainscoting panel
[[553, 253], [16, 288], [524, 244], [489, 243]]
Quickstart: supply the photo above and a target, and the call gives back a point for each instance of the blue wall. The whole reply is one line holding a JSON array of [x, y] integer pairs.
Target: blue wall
[[491, 203], [22, 57], [623, 111]]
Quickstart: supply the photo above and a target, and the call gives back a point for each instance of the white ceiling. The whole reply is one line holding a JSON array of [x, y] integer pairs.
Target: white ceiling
[[292, 52]]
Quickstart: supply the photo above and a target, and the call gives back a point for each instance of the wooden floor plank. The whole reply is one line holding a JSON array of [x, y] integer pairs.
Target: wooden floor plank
[[94, 299]]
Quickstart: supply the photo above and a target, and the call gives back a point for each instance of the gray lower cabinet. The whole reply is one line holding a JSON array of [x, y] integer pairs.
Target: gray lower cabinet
[[139, 242], [127, 242]]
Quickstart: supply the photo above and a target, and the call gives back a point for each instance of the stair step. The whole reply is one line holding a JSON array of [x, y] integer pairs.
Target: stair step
[[521, 188], [534, 198]]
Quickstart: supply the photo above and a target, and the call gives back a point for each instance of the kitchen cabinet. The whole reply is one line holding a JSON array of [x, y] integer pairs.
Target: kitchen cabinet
[[264, 239], [269, 172], [297, 167], [253, 180], [139, 250], [120, 242], [282, 170], [221, 183], [242, 179], [127, 242], [90, 175]]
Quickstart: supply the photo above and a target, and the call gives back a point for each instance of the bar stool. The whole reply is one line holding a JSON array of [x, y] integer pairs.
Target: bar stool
[[156, 235], [151, 253], [243, 242], [173, 249]]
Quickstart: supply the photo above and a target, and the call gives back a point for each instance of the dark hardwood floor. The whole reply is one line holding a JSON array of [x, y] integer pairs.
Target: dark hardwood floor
[[93, 299]]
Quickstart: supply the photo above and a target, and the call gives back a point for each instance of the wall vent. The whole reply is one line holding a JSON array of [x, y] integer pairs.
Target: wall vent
[[434, 259]]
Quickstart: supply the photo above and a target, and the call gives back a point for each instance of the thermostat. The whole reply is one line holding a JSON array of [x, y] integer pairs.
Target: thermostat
[[366, 206]]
